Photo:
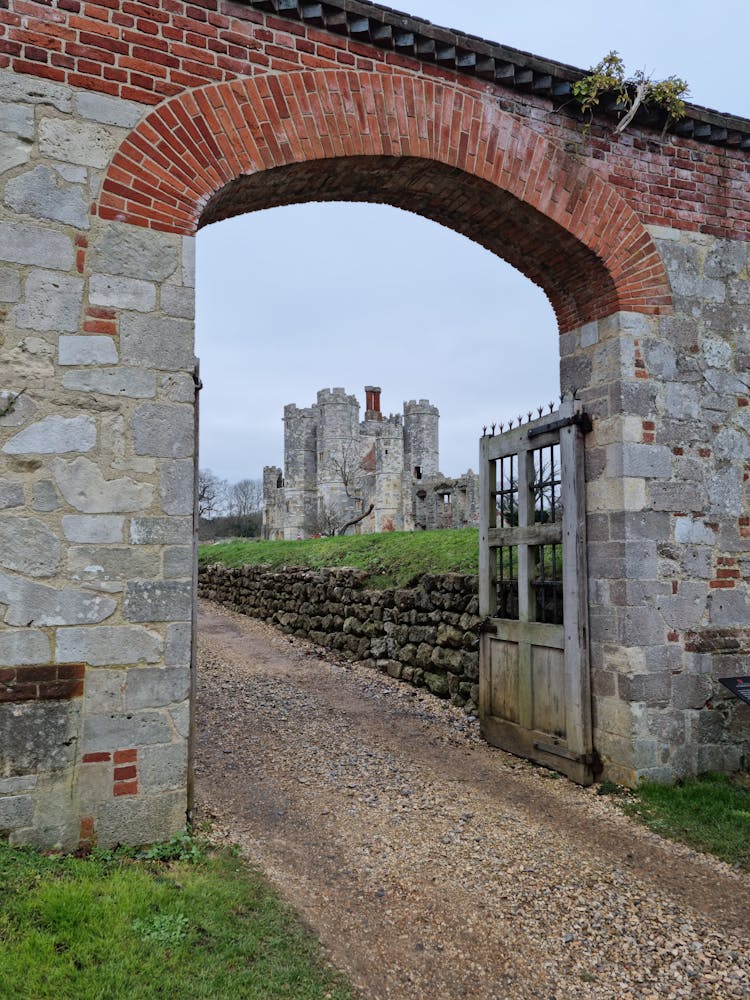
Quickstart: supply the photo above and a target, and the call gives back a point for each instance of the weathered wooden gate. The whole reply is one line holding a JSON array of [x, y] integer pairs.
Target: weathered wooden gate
[[534, 692]]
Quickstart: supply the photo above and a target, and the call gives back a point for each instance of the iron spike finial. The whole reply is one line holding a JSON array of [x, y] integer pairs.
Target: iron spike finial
[[530, 414], [501, 428], [520, 419], [510, 424], [493, 429], [484, 431], [551, 406], [540, 410]]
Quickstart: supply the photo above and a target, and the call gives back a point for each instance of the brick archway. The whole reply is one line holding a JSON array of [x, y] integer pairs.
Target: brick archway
[[421, 145]]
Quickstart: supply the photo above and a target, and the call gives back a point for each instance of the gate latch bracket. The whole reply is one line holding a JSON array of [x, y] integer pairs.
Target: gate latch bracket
[[485, 627]]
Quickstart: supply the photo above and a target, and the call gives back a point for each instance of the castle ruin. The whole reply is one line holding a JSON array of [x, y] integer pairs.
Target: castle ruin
[[346, 475]]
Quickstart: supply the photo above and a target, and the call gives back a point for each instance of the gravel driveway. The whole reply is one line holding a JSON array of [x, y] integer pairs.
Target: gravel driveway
[[433, 867]]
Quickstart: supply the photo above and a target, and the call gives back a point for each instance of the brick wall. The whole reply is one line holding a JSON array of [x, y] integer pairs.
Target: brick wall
[[48, 682], [146, 52]]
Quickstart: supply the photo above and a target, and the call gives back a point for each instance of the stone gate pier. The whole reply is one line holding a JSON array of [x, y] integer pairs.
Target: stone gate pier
[[124, 128]]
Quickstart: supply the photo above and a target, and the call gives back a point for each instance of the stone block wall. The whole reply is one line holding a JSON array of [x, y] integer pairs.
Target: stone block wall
[[423, 635], [668, 504], [96, 486]]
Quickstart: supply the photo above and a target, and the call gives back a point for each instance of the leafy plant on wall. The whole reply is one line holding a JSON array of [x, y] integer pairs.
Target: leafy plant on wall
[[630, 92]]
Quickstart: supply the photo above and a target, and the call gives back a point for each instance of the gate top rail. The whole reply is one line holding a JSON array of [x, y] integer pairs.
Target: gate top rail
[[537, 433]]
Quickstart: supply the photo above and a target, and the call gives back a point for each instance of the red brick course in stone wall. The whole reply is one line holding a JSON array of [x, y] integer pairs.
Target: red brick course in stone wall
[[41, 682]]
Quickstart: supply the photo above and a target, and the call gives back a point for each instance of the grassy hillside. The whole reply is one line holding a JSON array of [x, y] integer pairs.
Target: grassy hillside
[[394, 558]]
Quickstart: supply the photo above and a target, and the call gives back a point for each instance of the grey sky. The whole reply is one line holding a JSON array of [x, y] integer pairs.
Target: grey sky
[[305, 297]]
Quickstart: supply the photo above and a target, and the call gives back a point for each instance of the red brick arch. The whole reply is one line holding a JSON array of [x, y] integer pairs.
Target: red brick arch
[[423, 145]]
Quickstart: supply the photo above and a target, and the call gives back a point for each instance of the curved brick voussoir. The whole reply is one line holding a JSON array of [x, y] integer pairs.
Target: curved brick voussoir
[[430, 147]]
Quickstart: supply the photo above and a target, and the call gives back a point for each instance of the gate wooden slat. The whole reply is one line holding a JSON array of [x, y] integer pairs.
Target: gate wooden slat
[[537, 534]]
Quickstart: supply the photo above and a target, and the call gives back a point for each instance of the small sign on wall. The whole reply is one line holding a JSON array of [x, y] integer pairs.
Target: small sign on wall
[[739, 686]]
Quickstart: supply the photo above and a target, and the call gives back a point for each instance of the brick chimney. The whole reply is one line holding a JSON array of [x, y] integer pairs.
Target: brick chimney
[[372, 402]]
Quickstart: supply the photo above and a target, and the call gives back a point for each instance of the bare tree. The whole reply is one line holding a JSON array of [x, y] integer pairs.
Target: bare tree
[[328, 520], [245, 502], [212, 492], [348, 467], [336, 519], [245, 497]]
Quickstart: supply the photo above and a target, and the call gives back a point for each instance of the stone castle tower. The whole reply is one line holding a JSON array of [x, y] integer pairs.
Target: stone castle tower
[[379, 474]]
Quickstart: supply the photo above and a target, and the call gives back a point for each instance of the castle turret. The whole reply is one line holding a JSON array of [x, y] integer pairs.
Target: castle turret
[[421, 458], [378, 475], [389, 465], [300, 471], [338, 451]]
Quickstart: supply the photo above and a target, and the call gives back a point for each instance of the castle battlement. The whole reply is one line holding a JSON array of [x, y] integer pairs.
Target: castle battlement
[[421, 406], [336, 395]]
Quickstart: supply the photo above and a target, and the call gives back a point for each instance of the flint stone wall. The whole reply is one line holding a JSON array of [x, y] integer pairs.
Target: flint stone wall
[[424, 635]]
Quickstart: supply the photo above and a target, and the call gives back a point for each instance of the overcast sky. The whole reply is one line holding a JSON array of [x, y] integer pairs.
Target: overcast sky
[[295, 299]]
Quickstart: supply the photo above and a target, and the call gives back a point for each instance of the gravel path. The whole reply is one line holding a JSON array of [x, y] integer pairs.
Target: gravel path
[[433, 867]]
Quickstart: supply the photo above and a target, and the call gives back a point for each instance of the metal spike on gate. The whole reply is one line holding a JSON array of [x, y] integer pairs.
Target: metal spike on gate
[[551, 406], [540, 410], [510, 424], [520, 419], [530, 415], [484, 431], [493, 429], [501, 428]]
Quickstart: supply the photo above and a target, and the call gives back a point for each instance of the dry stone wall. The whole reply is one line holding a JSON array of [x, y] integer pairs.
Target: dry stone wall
[[425, 635]]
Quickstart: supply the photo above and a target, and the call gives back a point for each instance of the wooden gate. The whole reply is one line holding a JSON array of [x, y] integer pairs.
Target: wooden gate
[[534, 692]]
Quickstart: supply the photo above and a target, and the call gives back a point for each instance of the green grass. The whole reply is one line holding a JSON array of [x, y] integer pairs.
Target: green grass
[[710, 813], [170, 924], [390, 559]]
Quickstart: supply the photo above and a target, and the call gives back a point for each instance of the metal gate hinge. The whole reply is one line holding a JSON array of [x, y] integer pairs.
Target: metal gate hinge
[[582, 420]]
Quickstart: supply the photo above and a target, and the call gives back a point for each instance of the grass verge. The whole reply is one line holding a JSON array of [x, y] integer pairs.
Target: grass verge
[[390, 559], [175, 922], [710, 813]]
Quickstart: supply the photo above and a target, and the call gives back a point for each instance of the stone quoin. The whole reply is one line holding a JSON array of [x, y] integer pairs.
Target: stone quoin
[[124, 128]]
